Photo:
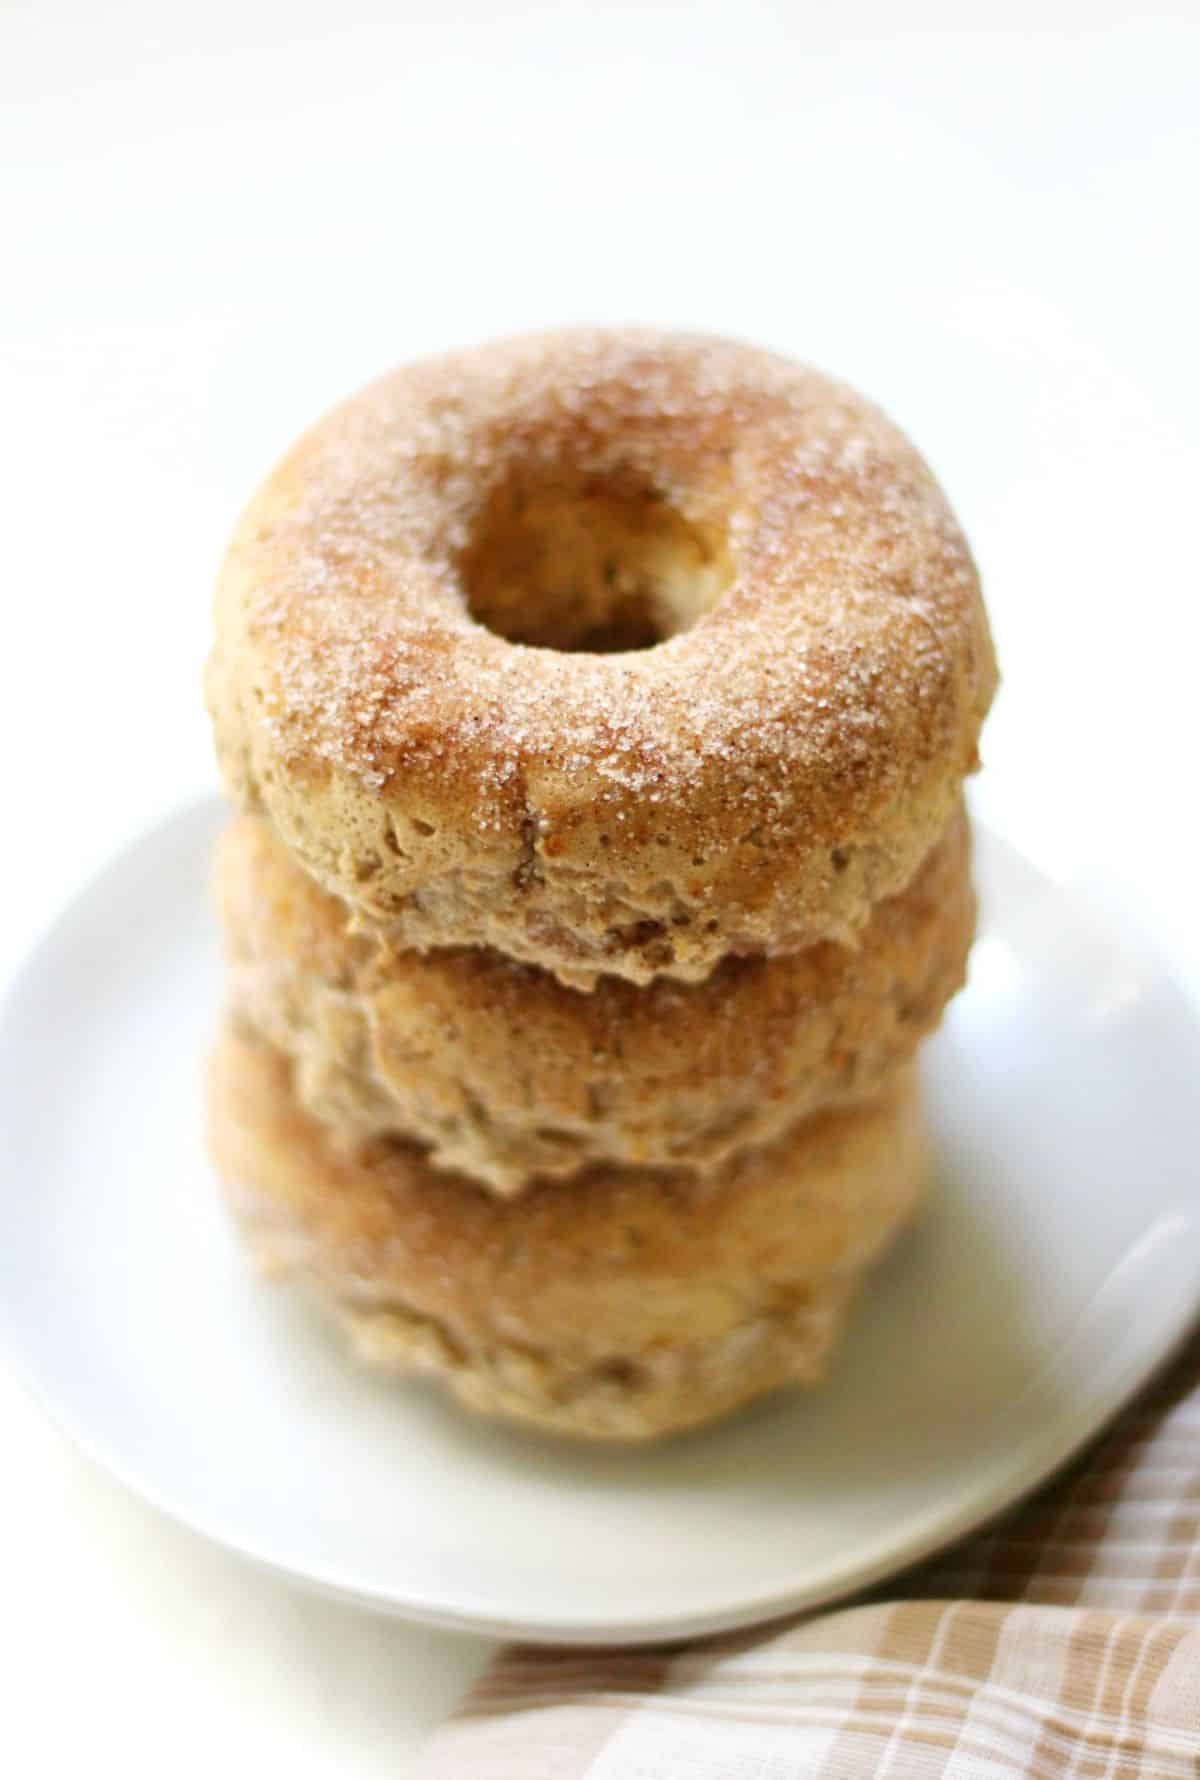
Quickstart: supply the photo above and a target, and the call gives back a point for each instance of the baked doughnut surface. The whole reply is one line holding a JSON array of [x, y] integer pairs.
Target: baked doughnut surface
[[617, 1306], [616, 652], [509, 1076]]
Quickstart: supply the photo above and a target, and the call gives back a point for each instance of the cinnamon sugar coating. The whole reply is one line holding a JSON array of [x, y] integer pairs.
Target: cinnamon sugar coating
[[614, 652]]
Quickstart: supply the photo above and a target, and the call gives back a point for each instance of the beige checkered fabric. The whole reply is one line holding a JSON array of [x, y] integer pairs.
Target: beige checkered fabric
[[1063, 1644]]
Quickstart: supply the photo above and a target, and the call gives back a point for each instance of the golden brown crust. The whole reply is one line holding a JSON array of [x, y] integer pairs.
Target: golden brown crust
[[754, 782], [507, 1075], [622, 1304]]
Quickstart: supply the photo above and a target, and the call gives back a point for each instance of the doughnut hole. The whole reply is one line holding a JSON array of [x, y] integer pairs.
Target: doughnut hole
[[590, 567]]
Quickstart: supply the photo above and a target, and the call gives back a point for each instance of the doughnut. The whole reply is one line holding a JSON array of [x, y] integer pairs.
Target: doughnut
[[620, 1305], [508, 1076], [616, 652]]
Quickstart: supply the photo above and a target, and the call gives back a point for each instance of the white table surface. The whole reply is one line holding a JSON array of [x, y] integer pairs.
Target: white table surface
[[217, 220]]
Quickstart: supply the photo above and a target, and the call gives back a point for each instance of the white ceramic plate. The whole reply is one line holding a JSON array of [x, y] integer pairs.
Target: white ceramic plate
[[1057, 1265]]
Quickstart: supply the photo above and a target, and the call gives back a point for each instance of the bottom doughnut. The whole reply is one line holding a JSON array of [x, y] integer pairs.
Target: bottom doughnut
[[621, 1305]]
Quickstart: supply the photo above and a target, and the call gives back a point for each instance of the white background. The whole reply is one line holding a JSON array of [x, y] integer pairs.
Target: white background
[[216, 220]]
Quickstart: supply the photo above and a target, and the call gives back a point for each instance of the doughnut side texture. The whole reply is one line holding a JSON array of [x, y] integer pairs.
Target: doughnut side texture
[[508, 1076], [618, 1306], [431, 668]]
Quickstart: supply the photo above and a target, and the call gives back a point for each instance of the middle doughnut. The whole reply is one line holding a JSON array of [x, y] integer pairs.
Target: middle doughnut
[[509, 1076]]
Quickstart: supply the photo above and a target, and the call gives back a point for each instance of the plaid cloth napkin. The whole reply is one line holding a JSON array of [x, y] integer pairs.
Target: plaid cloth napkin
[[1063, 1642]]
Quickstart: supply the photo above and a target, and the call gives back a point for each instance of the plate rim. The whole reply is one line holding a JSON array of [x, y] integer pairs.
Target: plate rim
[[1057, 1442]]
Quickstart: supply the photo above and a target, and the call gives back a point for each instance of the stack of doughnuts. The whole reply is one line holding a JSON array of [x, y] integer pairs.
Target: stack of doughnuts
[[597, 708]]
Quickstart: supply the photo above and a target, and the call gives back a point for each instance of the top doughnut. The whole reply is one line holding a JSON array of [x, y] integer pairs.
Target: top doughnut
[[615, 651]]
